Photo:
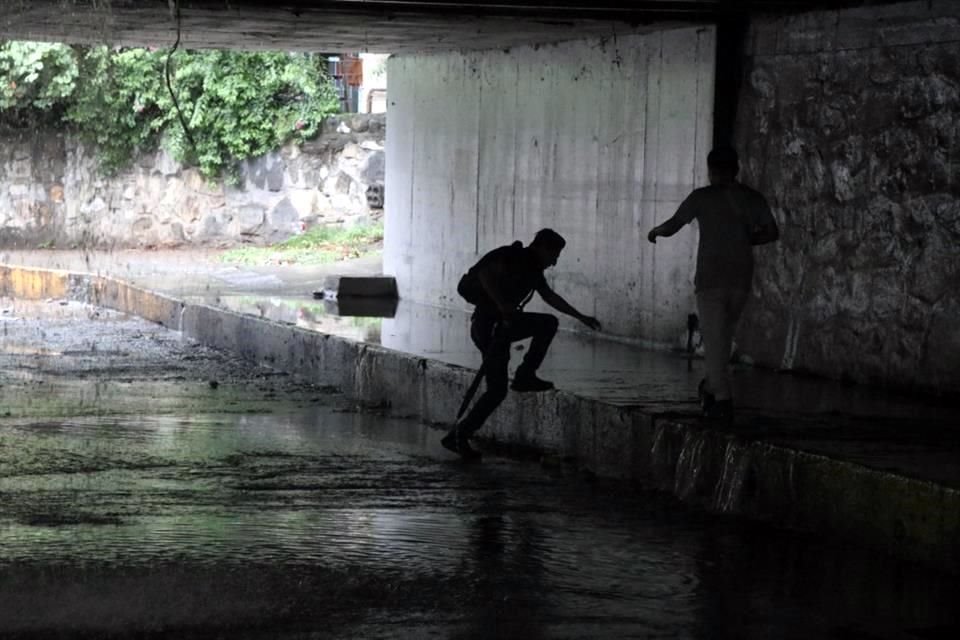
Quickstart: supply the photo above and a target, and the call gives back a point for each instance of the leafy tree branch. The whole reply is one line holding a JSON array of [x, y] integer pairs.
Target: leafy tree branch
[[238, 105]]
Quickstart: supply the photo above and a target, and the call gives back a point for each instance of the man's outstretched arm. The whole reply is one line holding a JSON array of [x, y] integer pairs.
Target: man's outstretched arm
[[685, 213], [556, 301], [665, 230]]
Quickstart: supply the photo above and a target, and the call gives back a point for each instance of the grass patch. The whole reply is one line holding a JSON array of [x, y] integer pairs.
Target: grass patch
[[319, 245]]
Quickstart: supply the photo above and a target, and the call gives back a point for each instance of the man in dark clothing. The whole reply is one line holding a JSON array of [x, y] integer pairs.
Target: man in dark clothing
[[732, 219], [500, 284]]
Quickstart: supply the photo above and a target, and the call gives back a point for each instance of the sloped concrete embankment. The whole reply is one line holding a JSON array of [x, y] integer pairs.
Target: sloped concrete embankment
[[726, 473]]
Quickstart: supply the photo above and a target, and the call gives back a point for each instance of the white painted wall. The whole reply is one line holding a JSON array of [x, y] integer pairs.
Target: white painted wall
[[598, 140]]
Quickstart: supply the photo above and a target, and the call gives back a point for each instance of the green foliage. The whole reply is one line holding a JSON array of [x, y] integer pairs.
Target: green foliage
[[122, 105], [243, 105], [319, 237], [319, 245], [36, 80], [237, 105]]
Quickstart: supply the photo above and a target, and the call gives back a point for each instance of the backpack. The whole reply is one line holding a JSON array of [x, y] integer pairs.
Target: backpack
[[470, 288]]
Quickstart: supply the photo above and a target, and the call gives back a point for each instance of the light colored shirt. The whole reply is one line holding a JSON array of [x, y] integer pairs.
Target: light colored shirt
[[727, 214]]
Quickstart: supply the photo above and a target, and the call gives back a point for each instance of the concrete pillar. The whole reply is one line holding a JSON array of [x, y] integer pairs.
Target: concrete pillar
[[598, 139]]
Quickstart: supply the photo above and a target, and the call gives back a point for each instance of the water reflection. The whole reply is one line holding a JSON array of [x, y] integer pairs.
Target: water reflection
[[361, 527], [315, 315]]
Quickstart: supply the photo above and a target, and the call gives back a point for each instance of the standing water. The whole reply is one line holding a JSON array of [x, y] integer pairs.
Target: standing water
[[150, 487]]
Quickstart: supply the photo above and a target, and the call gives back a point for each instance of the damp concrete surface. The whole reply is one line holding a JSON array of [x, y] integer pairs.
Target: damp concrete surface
[[153, 487]]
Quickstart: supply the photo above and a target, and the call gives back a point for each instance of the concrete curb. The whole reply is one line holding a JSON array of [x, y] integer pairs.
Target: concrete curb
[[907, 518]]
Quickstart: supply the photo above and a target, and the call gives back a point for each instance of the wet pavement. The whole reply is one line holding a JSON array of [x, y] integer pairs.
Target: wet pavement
[[139, 499], [64, 358], [850, 461], [191, 272], [915, 437]]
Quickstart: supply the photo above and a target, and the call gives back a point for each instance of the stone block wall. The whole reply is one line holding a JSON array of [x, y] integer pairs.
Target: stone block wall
[[850, 122], [51, 193]]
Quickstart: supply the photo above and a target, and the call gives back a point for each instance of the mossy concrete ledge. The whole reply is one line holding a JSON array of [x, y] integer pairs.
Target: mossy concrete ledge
[[723, 472], [116, 294]]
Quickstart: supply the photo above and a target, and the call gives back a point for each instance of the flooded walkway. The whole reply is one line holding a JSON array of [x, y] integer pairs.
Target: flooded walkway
[[850, 462], [153, 487]]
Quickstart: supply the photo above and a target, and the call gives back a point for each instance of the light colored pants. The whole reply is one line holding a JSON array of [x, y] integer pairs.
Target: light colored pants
[[720, 311]]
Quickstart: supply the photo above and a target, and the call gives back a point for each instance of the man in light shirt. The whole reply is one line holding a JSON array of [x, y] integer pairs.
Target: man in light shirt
[[732, 219]]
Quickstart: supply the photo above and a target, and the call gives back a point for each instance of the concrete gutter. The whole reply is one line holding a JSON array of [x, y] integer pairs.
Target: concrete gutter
[[724, 472]]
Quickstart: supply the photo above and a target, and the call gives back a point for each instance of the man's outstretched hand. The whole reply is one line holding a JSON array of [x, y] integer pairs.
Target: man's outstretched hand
[[591, 322], [652, 236]]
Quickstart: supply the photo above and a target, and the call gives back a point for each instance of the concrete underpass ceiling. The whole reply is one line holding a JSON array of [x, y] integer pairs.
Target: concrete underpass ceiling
[[377, 26]]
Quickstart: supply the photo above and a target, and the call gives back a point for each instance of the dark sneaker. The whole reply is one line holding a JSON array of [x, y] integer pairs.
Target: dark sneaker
[[459, 445], [530, 382], [707, 399]]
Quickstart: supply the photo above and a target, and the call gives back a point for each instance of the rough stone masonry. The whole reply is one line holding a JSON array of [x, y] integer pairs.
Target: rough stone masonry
[[850, 122], [52, 194]]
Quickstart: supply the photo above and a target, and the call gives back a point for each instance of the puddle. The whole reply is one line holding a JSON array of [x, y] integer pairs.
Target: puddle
[[324, 520]]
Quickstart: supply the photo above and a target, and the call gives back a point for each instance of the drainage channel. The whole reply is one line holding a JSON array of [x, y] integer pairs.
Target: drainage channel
[[156, 487]]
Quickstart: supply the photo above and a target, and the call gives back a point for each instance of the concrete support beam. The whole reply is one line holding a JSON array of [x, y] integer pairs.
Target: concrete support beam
[[598, 139]]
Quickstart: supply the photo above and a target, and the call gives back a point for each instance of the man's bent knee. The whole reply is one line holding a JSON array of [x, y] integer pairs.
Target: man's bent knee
[[549, 325]]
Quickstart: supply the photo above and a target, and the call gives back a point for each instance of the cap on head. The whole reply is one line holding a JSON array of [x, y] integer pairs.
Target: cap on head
[[723, 159], [550, 239]]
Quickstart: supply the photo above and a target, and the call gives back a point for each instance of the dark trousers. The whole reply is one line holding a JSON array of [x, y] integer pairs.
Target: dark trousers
[[494, 343]]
